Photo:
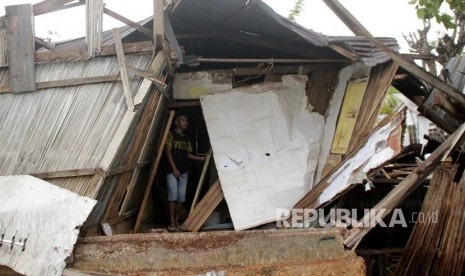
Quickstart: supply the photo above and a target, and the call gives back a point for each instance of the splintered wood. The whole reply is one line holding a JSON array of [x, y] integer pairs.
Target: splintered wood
[[436, 246], [408, 185], [204, 209]]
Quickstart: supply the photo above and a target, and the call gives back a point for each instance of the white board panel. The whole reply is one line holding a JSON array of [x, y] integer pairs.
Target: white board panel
[[43, 220], [266, 146], [187, 86]]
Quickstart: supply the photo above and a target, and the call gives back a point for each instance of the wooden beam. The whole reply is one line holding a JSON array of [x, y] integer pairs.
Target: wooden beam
[[286, 69], [153, 172], [201, 180], [161, 86], [123, 70], [70, 82], [268, 60], [94, 21], [89, 172], [129, 22], [19, 40], [128, 48], [204, 209], [43, 43], [358, 29], [184, 104], [343, 51], [418, 56], [69, 173], [158, 24], [49, 6]]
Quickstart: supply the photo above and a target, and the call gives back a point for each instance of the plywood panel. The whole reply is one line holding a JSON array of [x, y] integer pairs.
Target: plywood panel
[[348, 116]]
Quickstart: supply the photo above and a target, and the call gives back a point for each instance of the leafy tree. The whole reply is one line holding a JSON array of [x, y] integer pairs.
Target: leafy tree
[[296, 11], [448, 13]]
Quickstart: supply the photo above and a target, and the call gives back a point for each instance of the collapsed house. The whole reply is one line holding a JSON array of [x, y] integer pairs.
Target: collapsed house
[[291, 117]]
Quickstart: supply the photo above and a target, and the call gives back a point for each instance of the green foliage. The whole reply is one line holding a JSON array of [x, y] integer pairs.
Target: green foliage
[[429, 9], [391, 102], [448, 13], [296, 11]]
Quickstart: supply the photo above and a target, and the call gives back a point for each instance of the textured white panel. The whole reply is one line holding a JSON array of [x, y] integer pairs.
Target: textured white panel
[[47, 216], [266, 147]]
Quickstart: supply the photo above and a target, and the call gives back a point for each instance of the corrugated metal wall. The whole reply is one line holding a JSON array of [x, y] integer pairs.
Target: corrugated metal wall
[[66, 128]]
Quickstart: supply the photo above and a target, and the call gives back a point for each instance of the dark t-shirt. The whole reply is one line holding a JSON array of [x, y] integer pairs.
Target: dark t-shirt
[[179, 146]]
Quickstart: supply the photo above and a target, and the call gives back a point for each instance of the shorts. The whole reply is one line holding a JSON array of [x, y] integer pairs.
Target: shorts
[[177, 187]]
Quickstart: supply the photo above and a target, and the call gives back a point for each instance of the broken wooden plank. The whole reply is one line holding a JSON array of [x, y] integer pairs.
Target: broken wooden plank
[[94, 21], [201, 180], [358, 29], [153, 172], [19, 38], [129, 22], [128, 48], [123, 70], [204, 209], [401, 191]]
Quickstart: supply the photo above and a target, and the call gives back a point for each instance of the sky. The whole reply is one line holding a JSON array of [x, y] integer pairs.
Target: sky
[[387, 18]]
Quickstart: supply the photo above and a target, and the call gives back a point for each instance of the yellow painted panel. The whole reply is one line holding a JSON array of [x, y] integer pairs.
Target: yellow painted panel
[[348, 116]]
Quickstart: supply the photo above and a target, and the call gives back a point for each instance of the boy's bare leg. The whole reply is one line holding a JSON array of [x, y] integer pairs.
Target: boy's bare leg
[[173, 206], [178, 212]]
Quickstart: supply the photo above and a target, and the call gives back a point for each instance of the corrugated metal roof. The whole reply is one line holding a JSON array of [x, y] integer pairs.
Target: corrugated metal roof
[[247, 29], [65, 128], [367, 51]]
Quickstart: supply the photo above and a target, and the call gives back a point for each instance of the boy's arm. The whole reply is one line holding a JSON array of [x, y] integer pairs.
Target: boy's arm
[[169, 156], [193, 156]]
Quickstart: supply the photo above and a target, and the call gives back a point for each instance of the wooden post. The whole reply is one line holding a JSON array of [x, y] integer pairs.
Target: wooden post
[[153, 173], [94, 18], [20, 47], [158, 24], [129, 22], [201, 180], [123, 70]]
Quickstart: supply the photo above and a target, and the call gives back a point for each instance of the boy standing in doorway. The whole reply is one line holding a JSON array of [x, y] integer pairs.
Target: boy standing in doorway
[[178, 151]]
